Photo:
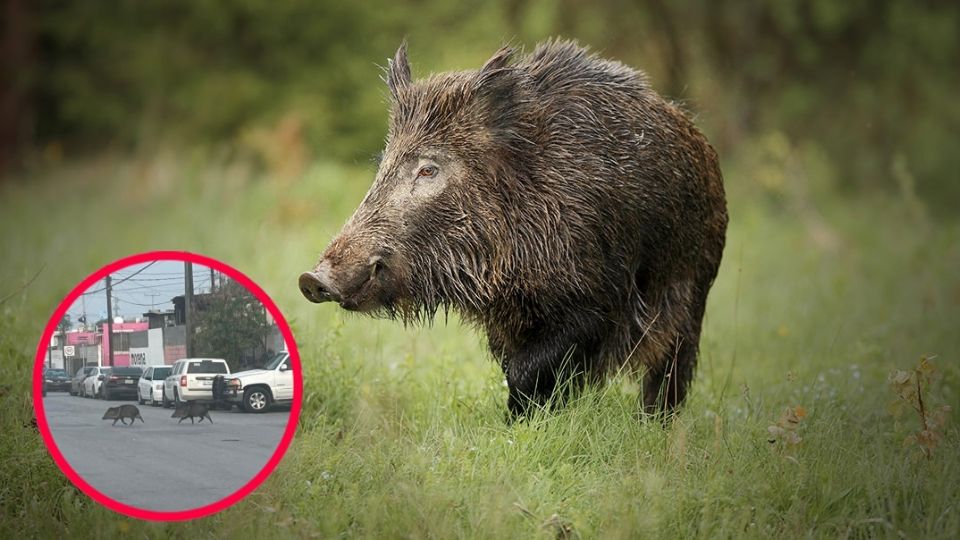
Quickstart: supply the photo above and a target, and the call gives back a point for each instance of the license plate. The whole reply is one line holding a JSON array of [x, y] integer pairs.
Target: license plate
[[206, 383], [128, 381]]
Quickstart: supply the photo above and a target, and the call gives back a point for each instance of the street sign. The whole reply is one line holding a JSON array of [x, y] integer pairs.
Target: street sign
[[68, 350]]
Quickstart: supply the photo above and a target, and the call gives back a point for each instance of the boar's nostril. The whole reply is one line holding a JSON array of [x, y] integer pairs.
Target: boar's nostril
[[315, 290]]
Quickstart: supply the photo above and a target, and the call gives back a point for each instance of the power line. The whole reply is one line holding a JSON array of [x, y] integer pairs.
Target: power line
[[125, 301], [162, 286], [172, 278], [122, 280]]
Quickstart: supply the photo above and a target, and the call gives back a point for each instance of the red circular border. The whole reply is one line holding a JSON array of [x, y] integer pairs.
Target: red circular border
[[179, 515]]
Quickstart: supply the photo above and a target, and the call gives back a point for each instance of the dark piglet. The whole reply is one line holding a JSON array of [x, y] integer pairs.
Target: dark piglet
[[121, 413], [192, 409]]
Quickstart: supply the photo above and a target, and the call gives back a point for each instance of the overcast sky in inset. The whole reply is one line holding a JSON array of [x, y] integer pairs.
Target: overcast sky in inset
[[139, 288]]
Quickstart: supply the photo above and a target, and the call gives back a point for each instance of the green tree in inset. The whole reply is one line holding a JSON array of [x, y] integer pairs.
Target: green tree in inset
[[230, 324]]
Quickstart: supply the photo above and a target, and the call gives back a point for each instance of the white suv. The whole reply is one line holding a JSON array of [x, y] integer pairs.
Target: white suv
[[192, 379], [256, 389]]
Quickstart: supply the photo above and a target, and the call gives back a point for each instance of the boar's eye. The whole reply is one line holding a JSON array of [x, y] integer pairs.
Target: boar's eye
[[427, 171]]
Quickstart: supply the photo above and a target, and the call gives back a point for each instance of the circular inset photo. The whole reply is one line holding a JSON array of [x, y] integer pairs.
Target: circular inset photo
[[167, 386]]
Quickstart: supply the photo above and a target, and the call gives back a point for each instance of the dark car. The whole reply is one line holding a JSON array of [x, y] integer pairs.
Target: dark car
[[76, 383], [56, 379], [121, 382]]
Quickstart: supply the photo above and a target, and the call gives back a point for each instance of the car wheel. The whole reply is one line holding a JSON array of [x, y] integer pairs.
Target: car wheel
[[166, 403], [140, 400], [176, 397], [256, 400], [104, 394]]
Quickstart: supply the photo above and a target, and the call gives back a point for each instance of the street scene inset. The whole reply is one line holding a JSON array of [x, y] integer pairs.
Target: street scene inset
[[167, 385]]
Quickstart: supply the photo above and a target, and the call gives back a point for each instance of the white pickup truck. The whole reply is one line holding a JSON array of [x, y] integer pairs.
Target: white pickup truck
[[256, 390]]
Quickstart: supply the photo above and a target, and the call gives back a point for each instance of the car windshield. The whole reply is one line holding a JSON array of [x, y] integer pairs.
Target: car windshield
[[126, 371], [56, 373], [275, 361], [206, 366], [161, 373]]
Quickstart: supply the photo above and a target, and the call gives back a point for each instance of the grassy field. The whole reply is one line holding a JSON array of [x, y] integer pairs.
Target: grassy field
[[403, 433]]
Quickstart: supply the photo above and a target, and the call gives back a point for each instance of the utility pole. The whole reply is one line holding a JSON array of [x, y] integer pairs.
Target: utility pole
[[212, 282], [63, 342], [188, 306], [109, 336]]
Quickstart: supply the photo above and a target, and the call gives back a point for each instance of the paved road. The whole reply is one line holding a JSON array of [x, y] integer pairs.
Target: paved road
[[159, 464]]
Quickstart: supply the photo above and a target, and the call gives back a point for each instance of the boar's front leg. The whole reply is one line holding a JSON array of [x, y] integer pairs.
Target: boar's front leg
[[552, 357]]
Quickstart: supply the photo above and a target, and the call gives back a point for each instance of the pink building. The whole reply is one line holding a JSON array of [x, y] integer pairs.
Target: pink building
[[121, 339], [121, 355]]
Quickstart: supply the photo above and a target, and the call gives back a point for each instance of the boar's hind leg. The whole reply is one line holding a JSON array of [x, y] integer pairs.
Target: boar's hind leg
[[665, 384]]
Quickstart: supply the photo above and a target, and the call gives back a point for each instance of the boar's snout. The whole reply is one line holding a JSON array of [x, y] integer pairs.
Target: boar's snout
[[357, 283], [317, 286]]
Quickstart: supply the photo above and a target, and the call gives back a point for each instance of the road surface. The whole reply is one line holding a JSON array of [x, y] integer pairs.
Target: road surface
[[159, 464]]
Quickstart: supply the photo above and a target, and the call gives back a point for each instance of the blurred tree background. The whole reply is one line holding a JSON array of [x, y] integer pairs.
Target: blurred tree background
[[854, 96]]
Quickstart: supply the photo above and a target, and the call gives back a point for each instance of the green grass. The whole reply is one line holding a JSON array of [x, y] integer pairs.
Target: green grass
[[403, 432]]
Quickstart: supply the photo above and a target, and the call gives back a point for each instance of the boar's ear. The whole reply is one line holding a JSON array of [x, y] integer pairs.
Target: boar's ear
[[496, 79], [494, 66], [498, 88], [398, 71]]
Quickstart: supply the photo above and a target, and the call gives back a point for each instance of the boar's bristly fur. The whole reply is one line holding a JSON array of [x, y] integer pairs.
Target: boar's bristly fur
[[558, 203], [122, 412], [191, 410]]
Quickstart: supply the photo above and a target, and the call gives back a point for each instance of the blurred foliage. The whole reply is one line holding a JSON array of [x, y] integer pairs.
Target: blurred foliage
[[865, 87]]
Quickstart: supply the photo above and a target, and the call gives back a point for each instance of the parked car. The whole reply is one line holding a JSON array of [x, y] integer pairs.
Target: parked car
[[150, 385], [121, 382], [255, 390], [76, 383], [56, 379], [192, 379], [93, 382]]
